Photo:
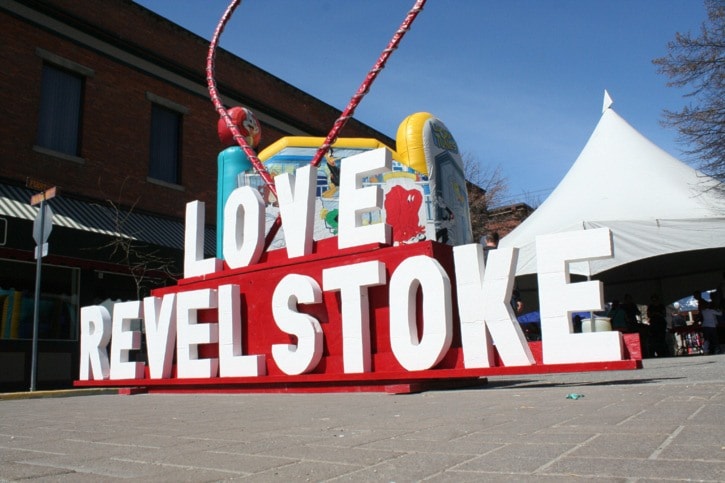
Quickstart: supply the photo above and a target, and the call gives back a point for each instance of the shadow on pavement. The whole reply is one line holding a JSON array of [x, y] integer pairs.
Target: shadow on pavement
[[533, 384]]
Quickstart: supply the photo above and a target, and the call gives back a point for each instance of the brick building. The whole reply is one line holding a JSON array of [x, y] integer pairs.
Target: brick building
[[108, 101], [504, 219]]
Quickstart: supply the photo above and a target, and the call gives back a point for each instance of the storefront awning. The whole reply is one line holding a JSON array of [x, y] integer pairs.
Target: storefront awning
[[99, 217]]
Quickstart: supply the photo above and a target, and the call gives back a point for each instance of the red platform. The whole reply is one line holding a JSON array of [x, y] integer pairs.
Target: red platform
[[257, 283]]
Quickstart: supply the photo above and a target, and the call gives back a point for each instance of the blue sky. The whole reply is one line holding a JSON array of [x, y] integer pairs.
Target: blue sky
[[519, 83]]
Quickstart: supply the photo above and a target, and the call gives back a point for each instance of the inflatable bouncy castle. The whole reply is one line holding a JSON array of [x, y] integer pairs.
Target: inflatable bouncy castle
[[425, 196]]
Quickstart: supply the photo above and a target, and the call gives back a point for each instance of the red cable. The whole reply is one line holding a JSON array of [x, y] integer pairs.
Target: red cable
[[367, 82], [337, 126], [214, 94]]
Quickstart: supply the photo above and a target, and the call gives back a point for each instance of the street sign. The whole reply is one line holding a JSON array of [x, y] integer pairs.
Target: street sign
[[43, 225], [36, 184], [44, 251], [45, 195]]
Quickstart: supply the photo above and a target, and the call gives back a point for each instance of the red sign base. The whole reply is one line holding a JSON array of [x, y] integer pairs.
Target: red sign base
[[260, 332]]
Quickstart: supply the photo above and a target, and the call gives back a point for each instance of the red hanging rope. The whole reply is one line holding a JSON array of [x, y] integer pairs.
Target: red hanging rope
[[219, 106], [339, 123], [367, 82]]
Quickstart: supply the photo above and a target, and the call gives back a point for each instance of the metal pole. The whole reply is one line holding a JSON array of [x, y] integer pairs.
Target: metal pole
[[36, 302]]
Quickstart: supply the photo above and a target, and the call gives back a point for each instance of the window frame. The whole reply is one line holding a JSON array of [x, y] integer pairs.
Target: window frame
[[62, 65], [165, 105]]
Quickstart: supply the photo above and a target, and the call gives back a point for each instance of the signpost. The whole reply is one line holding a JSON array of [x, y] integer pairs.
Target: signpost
[[42, 227]]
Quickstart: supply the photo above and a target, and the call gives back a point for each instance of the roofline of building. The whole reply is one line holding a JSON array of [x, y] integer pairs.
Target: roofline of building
[[175, 71]]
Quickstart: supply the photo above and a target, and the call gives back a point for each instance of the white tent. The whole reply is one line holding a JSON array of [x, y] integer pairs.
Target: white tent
[[667, 219]]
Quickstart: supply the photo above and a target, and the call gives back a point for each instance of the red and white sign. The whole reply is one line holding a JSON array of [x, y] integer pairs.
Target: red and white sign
[[350, 313]]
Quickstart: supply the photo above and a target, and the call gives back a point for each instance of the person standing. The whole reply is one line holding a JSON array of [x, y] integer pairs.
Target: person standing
[[618, 316], [632, 313], [657, 315], [709, 326], [697, 295], [490, 242]]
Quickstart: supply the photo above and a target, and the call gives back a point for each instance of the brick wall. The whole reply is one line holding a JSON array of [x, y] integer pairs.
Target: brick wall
[[117, 113]]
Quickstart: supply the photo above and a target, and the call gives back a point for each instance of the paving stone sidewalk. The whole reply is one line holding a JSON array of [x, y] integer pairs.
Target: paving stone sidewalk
[[665, 422]]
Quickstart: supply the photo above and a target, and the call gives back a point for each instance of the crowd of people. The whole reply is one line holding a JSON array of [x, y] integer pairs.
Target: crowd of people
[[658, 325], [662, 331]]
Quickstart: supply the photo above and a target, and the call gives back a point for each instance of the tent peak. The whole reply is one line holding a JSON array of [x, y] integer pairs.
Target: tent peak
[[607, 101]]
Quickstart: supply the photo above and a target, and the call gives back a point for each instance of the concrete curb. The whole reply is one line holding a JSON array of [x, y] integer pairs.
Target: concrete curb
[[57, 393]]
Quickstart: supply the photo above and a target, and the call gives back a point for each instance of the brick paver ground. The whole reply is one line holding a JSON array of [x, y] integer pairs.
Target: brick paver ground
[[665, 422]]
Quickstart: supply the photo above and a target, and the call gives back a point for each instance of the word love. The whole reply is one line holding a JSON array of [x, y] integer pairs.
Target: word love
[[244, 219]]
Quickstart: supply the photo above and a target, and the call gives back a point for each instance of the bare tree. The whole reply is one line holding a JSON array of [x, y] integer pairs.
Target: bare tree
[[489, 178], [487, 188], [700, 63], [535, 198], [148, 268], [146, 265]]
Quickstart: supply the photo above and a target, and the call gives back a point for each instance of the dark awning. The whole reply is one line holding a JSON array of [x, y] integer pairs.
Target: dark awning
[[100, 217]]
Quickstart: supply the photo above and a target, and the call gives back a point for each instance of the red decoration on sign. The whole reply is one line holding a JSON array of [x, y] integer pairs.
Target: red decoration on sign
[[401, 208]]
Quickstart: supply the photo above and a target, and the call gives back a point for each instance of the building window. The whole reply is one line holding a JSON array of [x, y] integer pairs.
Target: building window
[[165, 152], [61, 99]]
